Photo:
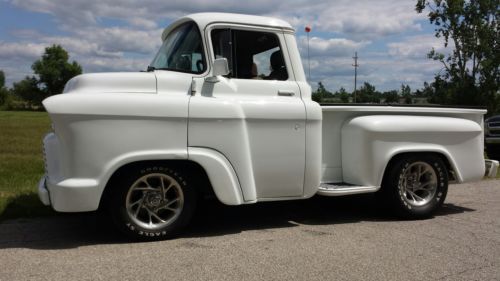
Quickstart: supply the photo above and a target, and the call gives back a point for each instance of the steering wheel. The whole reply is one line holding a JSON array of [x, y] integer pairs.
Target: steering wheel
[[199, 65]]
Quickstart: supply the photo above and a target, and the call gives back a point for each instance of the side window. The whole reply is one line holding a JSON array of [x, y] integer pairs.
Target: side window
[[250, 54]]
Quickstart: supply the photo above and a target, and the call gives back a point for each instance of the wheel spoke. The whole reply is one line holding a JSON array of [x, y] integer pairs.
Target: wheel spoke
[[172, 202], [172, 184], [162, 187], [150, 217], [419, 172], [146, 182], [157, 217], [427, 183], [139, 208], [415, 196], [168, 204], [151, 213], [145, 189], [171, 209], [137, 202]]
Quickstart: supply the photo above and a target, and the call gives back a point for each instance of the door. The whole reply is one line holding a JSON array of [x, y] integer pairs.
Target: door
[[255, 116]]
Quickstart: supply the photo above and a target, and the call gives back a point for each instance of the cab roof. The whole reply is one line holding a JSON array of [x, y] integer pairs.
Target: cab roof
[[204, 19]]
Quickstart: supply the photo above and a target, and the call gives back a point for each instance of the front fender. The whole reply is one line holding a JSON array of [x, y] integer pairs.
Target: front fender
[[220, 173]]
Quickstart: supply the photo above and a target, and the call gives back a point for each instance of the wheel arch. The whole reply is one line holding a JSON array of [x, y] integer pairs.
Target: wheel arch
[[192, 170], [448, 161]]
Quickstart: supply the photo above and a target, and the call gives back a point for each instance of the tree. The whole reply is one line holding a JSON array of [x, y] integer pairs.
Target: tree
[[471, 70], [321, 93], [344, 96], [406, 93], [3, 91], [391, 96], [368, 94], [27, 89], [54, 70], [2, 79]]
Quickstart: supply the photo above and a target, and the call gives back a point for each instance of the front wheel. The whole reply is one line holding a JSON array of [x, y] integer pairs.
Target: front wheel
[[416, 185], [152, 203]]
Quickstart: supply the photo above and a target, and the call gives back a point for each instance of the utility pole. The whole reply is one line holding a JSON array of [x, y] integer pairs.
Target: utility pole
[[356, 65]]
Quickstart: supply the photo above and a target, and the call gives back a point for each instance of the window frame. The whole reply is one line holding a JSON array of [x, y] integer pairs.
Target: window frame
[[275, 31], [203, 49]]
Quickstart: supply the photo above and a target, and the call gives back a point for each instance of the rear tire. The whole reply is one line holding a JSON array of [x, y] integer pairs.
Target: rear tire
[[415, 185], [152, 202]]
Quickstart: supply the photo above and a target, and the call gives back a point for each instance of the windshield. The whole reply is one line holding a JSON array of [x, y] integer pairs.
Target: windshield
[[181, 51]]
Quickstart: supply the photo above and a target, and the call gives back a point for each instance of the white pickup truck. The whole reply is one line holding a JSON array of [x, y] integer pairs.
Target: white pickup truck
[[224, 109]]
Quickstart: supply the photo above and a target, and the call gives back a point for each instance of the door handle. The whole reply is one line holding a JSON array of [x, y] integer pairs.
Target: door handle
[[286, 93]]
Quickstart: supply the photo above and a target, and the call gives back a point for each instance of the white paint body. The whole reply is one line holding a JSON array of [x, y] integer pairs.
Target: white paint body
[[254, 144]]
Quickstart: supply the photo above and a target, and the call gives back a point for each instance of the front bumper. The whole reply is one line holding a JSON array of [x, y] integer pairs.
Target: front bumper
[[70, 195], [43, 192]]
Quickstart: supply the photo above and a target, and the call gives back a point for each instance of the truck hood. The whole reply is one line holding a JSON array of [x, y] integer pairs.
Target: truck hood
[[112, 82]]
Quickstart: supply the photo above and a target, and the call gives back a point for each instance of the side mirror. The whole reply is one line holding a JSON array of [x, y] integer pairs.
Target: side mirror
[[221, 67]]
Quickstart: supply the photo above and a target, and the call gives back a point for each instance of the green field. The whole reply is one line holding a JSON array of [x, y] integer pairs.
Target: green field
[[21, 164]]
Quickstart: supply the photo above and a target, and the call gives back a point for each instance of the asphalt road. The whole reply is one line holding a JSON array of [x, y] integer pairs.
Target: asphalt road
[[317, 239]]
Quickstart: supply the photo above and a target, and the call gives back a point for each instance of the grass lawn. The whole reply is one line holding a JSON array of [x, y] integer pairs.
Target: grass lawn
[[21, 163]]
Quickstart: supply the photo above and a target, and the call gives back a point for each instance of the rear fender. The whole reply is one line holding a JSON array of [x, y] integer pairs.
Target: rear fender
[[370, 142]]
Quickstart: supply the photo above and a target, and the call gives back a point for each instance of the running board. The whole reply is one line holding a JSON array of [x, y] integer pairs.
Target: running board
[[341, 189]]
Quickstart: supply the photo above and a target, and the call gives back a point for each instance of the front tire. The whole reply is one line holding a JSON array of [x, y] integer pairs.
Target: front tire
[[152, 203], [416, 185]]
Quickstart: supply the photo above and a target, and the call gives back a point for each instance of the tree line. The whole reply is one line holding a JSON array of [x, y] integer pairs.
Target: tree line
[[52, 71], [368, 94]]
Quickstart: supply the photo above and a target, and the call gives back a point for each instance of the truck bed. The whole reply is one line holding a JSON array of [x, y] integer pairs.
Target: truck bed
[[335, 116]]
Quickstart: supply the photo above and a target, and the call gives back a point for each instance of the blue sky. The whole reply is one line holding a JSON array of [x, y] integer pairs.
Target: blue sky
[[391, 39]]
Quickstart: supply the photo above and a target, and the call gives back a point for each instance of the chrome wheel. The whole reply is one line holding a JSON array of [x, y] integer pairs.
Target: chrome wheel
[[154, 201], [418, 183]]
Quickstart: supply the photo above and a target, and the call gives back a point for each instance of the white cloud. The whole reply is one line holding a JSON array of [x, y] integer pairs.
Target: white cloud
[[336, 47], [142, 23], [416, 46], [12, 50], [118, 39], [115, 64], [80, 47], [365, 19], [357, 18]]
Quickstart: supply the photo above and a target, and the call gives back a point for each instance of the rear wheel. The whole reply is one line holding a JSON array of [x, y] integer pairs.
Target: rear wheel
[[152, 203], [416, 185]]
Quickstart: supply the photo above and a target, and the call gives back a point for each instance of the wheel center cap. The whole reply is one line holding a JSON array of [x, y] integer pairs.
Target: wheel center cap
[[154, 199]]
